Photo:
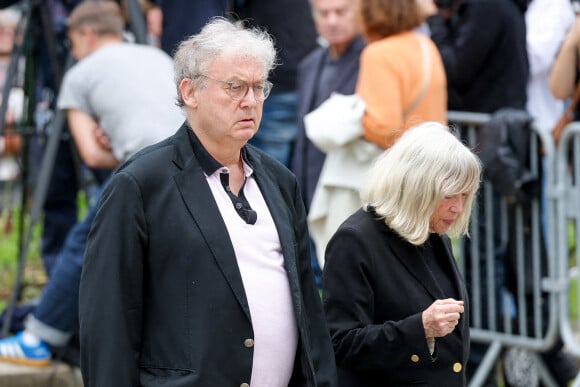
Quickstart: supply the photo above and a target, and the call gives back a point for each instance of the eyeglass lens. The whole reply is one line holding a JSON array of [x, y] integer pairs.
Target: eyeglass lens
[[239, 90]]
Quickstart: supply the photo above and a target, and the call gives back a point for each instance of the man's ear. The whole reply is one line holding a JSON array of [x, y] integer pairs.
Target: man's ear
[[187, 89], [89, 34]]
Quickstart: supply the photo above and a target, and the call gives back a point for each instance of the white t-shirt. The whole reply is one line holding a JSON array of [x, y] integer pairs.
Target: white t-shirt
[[547, 22]]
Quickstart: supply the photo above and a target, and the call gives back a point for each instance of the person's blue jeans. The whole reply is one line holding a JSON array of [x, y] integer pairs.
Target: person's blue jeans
[[278, 128], [55, 319], [60, 206]]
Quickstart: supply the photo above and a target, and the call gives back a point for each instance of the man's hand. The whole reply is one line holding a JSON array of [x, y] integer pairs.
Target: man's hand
[[102, 138]]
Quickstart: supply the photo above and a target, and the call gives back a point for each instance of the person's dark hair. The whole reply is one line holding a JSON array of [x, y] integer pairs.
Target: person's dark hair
[[103, 17]]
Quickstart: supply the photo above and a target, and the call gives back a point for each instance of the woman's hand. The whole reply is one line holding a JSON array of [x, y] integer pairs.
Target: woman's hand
[[441, 317]]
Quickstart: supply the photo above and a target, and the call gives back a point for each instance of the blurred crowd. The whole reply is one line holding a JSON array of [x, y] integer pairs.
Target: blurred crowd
[[407, 61]]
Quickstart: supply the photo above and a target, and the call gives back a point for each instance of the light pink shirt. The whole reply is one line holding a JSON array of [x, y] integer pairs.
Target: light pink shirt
[[259, 256]]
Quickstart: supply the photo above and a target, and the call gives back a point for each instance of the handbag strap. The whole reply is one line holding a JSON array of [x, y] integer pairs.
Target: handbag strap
[[426, 76]]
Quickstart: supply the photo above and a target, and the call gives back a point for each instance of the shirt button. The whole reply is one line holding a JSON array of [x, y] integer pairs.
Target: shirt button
[[457, 367], [414, 358], [238, 205], [248, 343], [244, 385]]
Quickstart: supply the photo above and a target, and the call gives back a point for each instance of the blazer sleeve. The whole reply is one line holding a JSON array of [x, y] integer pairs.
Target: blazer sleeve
[[110, 299], [320, 348], [361, 342]]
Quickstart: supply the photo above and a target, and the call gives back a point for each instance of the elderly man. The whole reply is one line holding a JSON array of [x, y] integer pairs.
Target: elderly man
[[331, 68], [197, 270]]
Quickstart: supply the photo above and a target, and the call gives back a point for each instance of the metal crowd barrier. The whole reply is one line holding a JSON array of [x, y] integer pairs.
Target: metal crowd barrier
[[567, 196], [519, 310]]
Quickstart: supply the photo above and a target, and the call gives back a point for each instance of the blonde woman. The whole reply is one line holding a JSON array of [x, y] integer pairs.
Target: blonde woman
[[396, 305]]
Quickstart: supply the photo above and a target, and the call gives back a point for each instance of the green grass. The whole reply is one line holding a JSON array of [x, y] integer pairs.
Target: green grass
[[34, 277], [573, 301]]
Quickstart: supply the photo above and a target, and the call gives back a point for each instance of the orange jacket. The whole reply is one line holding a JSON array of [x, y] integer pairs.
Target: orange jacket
[[390, 80]]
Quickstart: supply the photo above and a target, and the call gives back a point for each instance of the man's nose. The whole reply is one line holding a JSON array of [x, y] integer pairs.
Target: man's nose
[[250, 97]]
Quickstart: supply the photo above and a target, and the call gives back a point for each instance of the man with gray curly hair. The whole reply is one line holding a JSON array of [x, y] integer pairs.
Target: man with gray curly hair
[[197, 270]]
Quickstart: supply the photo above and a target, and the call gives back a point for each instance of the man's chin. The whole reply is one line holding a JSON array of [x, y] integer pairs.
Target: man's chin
[[246, 134]]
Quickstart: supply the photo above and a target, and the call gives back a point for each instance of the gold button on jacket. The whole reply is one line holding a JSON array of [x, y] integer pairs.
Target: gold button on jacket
[[414, 358], [457, 367], [248, 343]]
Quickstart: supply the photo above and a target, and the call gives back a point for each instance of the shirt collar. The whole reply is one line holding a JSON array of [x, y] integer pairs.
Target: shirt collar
[[208, 163]]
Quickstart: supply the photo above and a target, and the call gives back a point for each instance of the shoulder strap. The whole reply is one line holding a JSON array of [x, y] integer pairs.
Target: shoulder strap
[[426, 75]]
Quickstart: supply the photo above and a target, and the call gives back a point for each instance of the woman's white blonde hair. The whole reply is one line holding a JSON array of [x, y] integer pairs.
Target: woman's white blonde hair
[[407, 182]]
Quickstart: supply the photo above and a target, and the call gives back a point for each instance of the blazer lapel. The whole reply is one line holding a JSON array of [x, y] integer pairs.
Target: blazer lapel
[[284, 224], [196, 194], [407, 255], [457, 282], [456, 276]]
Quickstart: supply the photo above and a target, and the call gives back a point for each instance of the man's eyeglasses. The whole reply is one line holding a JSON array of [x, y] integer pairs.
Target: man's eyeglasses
[[237, 90]]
